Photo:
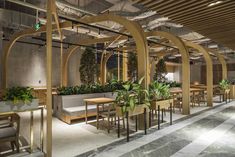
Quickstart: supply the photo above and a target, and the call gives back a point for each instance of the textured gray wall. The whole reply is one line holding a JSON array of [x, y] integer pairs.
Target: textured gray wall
[[27, 65]]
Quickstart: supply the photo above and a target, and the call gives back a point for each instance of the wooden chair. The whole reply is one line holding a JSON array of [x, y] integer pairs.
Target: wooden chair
[[109, 111], [9, 130], [177, 102]]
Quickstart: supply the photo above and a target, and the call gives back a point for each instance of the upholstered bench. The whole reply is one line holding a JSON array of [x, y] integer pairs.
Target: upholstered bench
[[72, 107]]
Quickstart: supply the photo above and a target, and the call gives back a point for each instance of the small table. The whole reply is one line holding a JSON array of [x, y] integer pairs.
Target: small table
[[32, 126], [97, 101]]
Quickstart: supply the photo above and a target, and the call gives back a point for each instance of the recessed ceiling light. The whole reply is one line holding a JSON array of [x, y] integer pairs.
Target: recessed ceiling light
[[214, 3]]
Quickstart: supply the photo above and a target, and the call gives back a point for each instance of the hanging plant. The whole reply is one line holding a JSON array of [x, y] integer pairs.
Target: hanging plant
[[88, 67], [160, 71]]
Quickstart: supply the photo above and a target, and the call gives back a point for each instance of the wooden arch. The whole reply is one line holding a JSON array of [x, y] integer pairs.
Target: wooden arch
[[134, 29], [185, 65], [222, 62], [209, 70]]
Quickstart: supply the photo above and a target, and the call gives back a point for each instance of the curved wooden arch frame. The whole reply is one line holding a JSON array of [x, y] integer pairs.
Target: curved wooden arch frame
[[131, 26], [209, 70], [139, 37], [222, 62], [66, 57], [185, 65]]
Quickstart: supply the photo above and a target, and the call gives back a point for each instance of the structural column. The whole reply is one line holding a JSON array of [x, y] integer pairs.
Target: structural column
[[49, 78], [124, 66], [1, 56]]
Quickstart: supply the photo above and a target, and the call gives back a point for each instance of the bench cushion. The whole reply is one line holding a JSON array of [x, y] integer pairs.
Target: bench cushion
[[79, 110], [7, 132]]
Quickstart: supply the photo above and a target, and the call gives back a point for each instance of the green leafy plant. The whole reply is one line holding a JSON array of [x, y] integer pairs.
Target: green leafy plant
[[131, 95], [18, 94], [173, 84], [111, 86], [160, 71], [159, 91], [88, 66], [224, 84]]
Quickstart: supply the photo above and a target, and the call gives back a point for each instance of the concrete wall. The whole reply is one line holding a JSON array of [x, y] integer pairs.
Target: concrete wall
[[27, 66]]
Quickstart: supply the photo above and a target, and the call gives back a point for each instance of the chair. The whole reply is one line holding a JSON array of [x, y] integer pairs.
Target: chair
[[9, 130], [108, 112], [177, 102]]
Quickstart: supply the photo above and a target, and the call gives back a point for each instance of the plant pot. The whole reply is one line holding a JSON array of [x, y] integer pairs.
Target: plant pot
[[139, 109], [161, 103], [232, 91], [9, 106]]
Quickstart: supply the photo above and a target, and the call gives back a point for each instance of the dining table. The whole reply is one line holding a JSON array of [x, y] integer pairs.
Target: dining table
[[96, 101]]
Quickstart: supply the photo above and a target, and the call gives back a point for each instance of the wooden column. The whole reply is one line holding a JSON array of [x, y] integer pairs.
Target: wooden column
[[124, 66], [118, 66], [49, 78], [185, 65], [209, 70]]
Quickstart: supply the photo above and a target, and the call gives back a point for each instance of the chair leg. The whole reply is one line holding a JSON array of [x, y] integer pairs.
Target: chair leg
[[12, 146], [108, 124], [123, 120], [17, 145]]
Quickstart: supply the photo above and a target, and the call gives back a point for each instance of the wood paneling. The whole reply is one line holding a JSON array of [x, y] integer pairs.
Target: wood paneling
[[216, 22]]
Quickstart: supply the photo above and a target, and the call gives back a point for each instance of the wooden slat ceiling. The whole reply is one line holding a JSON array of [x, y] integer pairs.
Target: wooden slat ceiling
[[216, 22]]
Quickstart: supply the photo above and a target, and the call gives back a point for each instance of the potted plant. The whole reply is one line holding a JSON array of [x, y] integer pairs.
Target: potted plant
[[18, 99], [224, 86], [132, 99], [160, 99], [160, 95]]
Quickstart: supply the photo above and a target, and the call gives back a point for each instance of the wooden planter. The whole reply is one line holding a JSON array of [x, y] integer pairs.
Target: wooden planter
[[138, 110], [160, 106], [9, 106], [232, 91]]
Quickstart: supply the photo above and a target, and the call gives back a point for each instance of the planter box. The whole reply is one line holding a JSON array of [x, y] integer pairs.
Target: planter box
[[8, 106], [161, 103], [139, 109], [232, 91], [71, 107]]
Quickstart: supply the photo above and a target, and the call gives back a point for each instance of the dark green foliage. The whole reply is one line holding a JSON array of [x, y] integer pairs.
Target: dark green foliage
[[131, 95], [88, 67], [224, 84], [159, 91], [92, 88], [160, 71], [17, 94], [173, 84], [132, 66]]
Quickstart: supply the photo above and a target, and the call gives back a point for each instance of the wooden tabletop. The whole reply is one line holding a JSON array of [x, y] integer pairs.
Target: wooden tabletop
[[179, 90], [101, 100]]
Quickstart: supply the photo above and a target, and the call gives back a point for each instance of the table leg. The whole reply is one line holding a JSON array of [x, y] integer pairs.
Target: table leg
[[31, 131], [42, 130], [170, 113], [97, 117], [86, 112]]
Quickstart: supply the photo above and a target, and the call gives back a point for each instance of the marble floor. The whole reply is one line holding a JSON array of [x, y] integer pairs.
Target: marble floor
[[208, 134], [80, 139]]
